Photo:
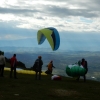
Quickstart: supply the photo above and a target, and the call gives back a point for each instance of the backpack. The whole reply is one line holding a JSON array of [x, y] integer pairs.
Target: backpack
[[36, 65]]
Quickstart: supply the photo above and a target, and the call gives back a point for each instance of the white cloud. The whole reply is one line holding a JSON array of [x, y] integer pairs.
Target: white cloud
[[65, 15], [14, 37]]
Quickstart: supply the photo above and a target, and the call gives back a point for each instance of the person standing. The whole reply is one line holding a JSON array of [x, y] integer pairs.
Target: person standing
[[38, 67], [2, 63], [50, 67], [85, 65], [13, 62]]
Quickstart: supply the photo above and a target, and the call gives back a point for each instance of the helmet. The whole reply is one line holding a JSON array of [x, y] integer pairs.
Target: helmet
[[51, 61]]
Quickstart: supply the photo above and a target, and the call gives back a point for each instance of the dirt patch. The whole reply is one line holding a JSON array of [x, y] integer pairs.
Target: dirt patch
[[61, 92]]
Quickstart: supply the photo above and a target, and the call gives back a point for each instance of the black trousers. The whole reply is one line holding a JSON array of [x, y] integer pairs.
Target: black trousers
[[1, 70], [38, 75], [11, 71], [84, 76]]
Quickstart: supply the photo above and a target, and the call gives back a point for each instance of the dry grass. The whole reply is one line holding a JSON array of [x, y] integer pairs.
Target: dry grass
[[27, 88], [61, 92]]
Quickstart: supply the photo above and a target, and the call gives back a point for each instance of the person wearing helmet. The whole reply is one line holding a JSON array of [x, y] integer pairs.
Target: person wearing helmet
[[50, 67]]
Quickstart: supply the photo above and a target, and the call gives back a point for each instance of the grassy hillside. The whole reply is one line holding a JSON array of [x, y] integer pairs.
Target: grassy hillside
[[27, 88]]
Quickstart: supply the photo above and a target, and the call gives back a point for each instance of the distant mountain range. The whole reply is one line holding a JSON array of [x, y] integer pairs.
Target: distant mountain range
[[39, 49], [27, 49], [75, 42]]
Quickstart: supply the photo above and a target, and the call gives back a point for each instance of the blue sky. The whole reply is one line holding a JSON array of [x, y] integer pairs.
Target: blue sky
[[77, 21]]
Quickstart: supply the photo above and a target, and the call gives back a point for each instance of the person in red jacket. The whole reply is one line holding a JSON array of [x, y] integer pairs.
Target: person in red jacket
[[13, 62]]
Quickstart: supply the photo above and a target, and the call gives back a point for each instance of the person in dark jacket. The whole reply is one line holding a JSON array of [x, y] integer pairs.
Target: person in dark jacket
[[38, 67], [13, 62], [85, 65]]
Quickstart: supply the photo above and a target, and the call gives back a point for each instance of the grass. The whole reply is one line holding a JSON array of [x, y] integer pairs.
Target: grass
[[27, 88]]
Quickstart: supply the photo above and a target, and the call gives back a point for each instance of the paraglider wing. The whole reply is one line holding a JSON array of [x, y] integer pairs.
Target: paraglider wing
[[75, 70], [56, 38], [51, 34]]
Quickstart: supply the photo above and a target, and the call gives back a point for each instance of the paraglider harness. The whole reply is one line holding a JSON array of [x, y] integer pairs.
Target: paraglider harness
[[37, 65], [49, 71]]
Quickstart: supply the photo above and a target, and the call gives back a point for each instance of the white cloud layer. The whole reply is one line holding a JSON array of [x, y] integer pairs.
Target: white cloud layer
[[14, 37], [65, 15]]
